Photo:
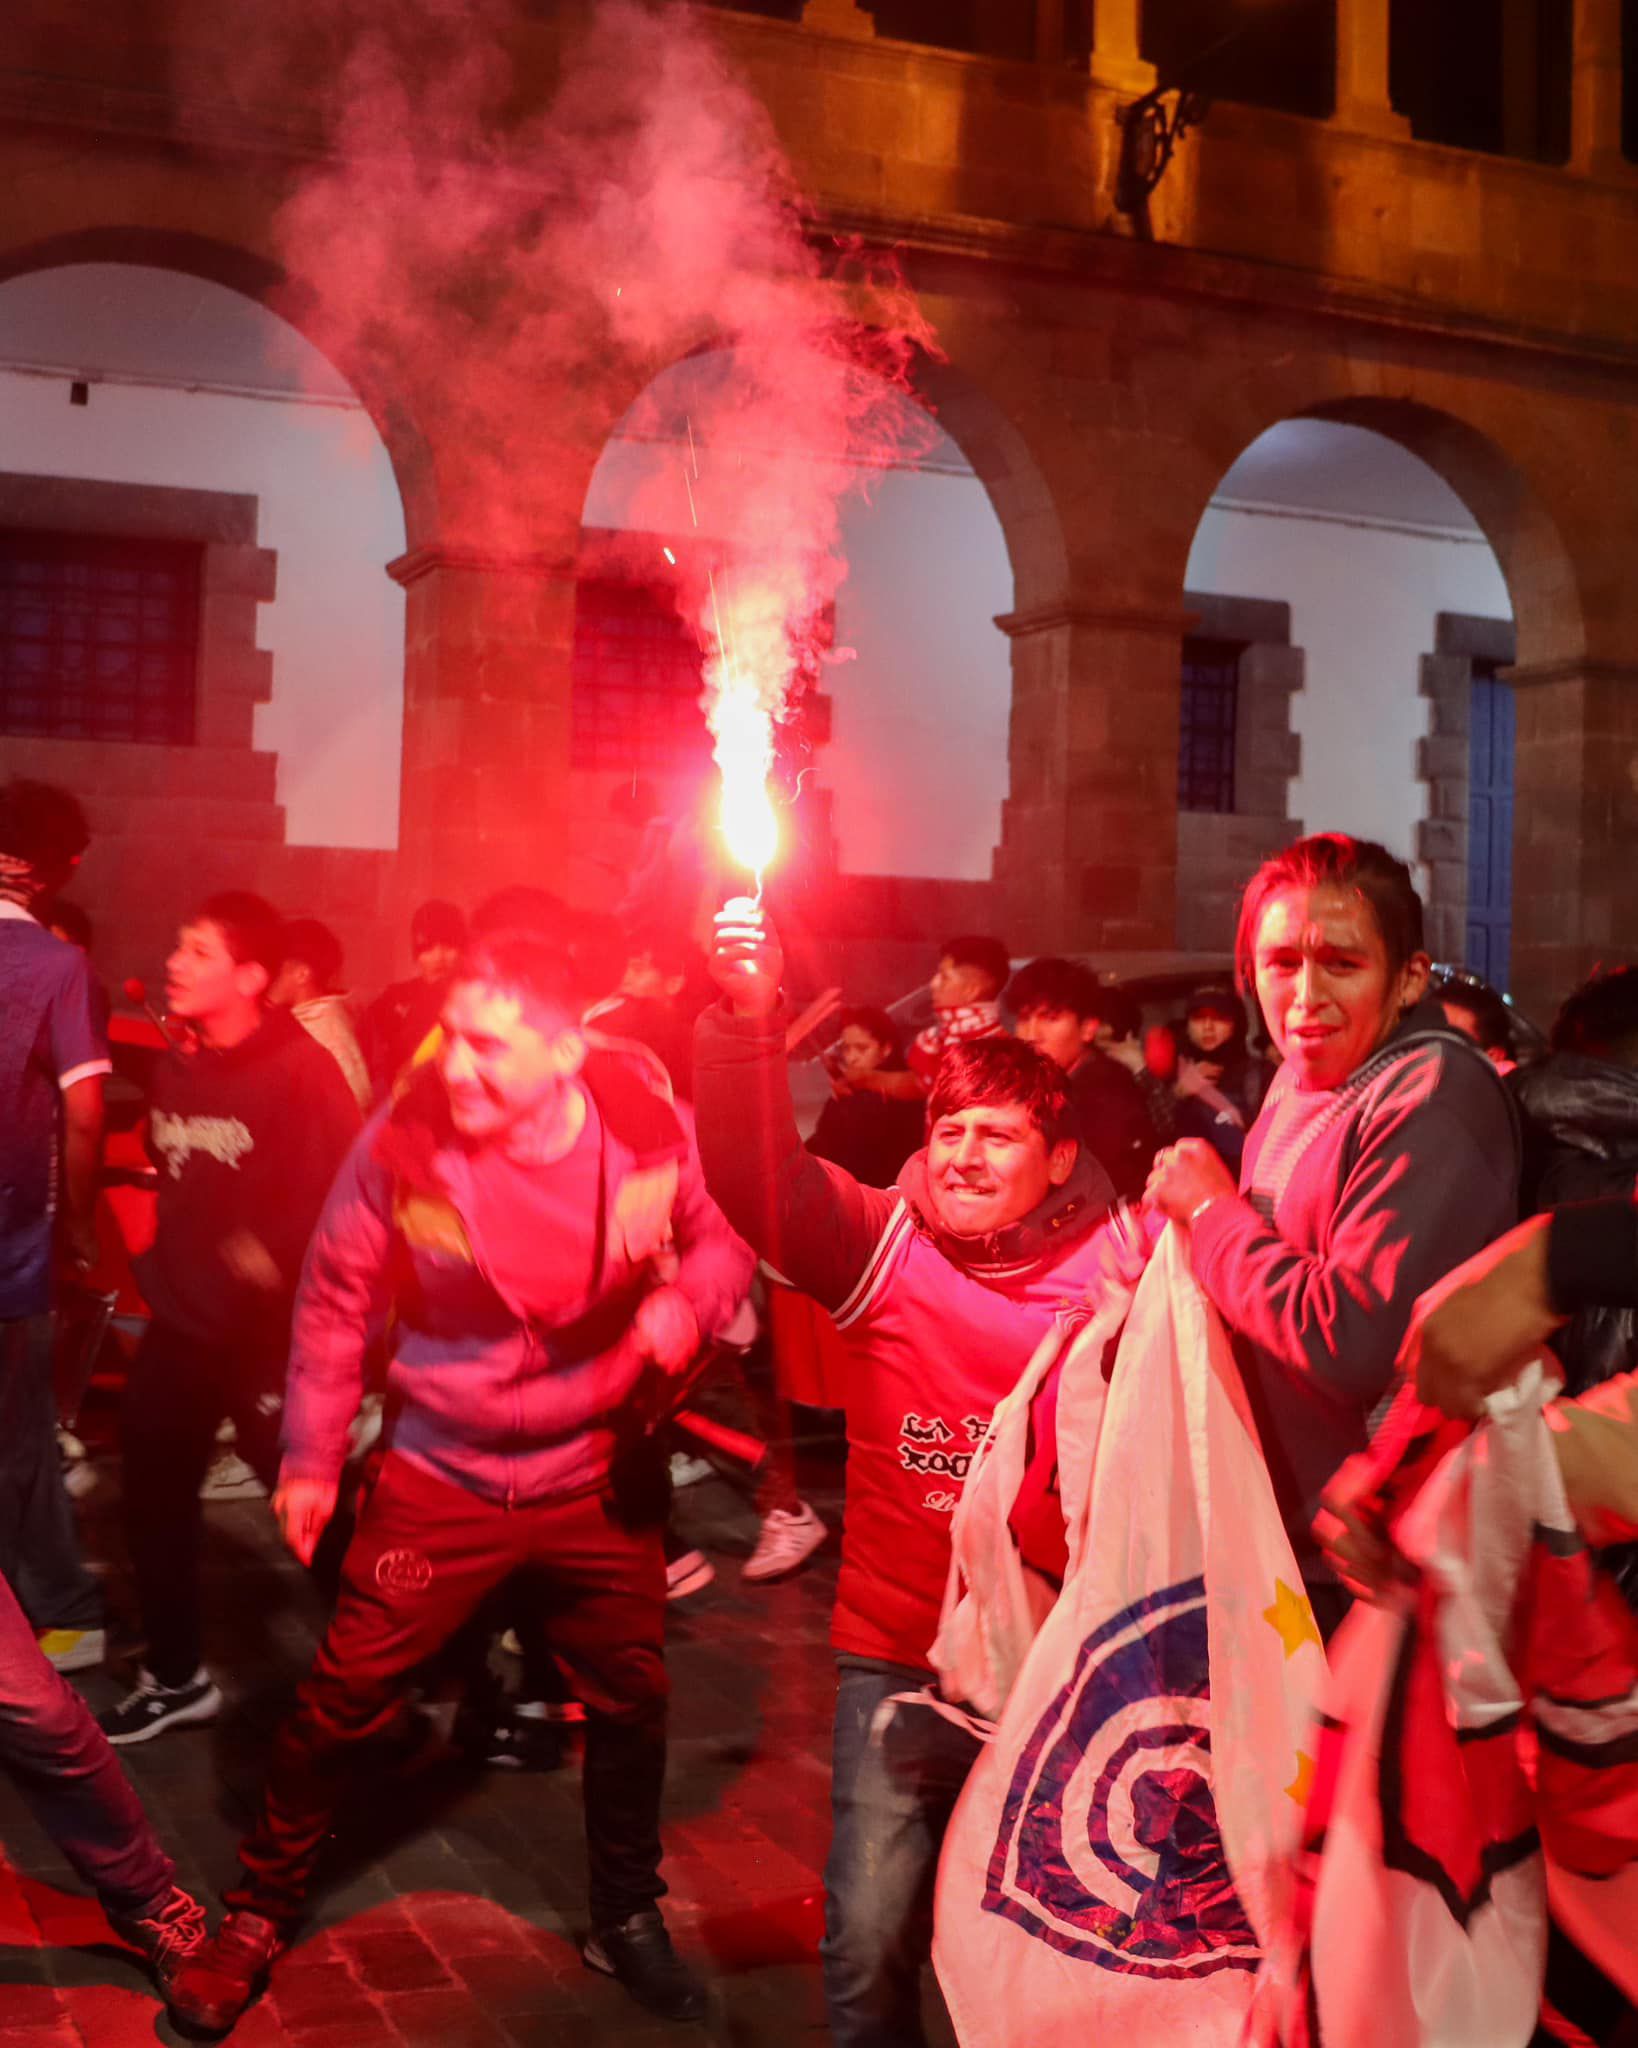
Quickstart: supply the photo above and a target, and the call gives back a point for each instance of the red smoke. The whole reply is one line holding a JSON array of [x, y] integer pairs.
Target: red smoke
[[518, 273]]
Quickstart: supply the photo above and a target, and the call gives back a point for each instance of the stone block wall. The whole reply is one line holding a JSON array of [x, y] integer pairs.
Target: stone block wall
[[1442, 763], [1217, 851]]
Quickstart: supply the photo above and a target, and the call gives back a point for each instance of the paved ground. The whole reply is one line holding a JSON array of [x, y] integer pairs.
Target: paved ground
[[454, 1898]]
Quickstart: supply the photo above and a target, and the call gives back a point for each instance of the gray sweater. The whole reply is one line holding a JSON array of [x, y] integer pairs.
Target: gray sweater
[[1353, 1201]]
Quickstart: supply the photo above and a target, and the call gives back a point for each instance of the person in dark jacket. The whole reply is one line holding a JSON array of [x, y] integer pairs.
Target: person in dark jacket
[[401, 1016], [1385, 1154], [246, 1131], [1220, 1082], [1580, 1108], [867, 1134], [486, 1208], [1059, 1008]]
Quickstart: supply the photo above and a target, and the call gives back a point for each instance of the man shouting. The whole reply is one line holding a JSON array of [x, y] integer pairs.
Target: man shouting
[[486, 1209]]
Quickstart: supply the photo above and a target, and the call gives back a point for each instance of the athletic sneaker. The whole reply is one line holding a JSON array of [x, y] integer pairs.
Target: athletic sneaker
[[789, 1538], [230, 1478], [690, 1571], [639, 1955], [224, 1973], [74, 1649], [149, 1708], [168, 1936]]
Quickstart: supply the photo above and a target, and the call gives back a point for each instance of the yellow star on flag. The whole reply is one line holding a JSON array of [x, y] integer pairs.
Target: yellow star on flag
[[1302, 1784], [1292, 1619]]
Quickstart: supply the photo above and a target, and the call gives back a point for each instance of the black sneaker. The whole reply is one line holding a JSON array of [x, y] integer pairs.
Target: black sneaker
[[510, 1741], [150, 1708], [224, 1973], [168, 1936], [639, 1955]]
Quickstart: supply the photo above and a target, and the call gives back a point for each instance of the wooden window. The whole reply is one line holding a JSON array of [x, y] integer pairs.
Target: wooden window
[[1210, 708], [99, 637]]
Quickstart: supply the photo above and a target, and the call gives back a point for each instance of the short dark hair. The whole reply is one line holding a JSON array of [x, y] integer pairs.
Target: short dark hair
[[672, 951], [1600, 1018], [42, 826], [1119, 1013], [1001, 1071], [521, 907], [880, 1026], [68, 918], [1334, 859], [535, 968], [437, 923], [252, 930], [989, 956], [1056, 984], [315, 946]]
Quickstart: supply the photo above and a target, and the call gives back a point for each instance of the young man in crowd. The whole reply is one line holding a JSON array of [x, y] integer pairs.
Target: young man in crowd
[[529, 1340], [652, 1006], [942, 1287], [307, 985], [401, 1016], [1059, 1008], [246, 1132], [966, 988], [53, 1057]]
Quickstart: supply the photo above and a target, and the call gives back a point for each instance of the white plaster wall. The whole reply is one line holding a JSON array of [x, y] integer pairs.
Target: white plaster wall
[[917, 764], [329, 506], [1363, 600]]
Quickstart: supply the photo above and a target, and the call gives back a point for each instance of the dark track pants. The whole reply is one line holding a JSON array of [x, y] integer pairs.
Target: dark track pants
[[425, 1557]]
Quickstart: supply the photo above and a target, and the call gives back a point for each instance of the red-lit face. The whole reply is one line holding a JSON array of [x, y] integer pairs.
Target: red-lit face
[[502, 1060], [955, 984], [1323, 979], [204, 982], [1060, 1034], [989, 1166], [1209, 1031], [858, 1052]]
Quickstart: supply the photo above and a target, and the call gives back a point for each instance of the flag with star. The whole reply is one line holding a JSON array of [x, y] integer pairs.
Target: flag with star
[[1122, 1852]]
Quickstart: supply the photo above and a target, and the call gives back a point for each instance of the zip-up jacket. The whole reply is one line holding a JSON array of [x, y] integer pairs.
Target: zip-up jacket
[[936, 1328], [481, 1392]]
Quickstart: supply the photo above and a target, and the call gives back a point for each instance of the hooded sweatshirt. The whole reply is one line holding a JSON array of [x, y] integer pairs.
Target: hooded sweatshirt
[[1354, 1200], [936, 1328], [246, 1142]]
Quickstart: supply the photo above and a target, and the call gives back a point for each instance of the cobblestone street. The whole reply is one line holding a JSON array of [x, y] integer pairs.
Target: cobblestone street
[[453, 1899]]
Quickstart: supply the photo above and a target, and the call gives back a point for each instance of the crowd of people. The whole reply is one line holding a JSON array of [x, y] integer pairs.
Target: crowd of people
[[459, 1265]]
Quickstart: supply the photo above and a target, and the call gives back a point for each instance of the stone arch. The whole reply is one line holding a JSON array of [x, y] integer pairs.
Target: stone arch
[[258, 277]]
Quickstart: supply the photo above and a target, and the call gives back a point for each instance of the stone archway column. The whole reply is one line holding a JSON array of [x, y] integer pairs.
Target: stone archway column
[[1363, 102], [1575, 826], [1118, 61], [1088, 854], [488, 642], [1595, 104]]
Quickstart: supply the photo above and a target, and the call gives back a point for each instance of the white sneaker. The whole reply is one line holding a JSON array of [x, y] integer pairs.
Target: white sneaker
[[788, 1539], [690, 1572]]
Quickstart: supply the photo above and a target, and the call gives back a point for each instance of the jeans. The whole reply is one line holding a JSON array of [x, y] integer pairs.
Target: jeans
[[891, 1800], [39, 1544], [60, 1761], [177, 1394], [426, 1557]]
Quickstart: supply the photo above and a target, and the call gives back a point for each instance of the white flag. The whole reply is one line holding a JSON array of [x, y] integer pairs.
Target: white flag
[[1120, 1855]]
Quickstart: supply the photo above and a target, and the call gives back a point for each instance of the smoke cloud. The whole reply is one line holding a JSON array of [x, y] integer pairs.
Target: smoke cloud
[[518, 271]]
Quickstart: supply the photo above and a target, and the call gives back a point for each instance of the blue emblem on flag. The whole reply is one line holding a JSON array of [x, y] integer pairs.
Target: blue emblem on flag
[[1109, 1848]]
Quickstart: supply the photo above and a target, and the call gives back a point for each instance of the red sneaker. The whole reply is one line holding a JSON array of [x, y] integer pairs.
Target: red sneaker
[[167, 1937], [225, 1973]]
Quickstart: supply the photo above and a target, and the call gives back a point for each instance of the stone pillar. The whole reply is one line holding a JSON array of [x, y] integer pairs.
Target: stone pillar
[[1117, 47], [838, 18], [1088, 854], [1050, 41], [1362, 70], [488, 640], [1575, 826], [1595, 107]]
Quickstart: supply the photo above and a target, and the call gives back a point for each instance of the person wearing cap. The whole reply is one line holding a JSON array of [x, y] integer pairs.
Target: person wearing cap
[[1220, 1082], [402, 1015]]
